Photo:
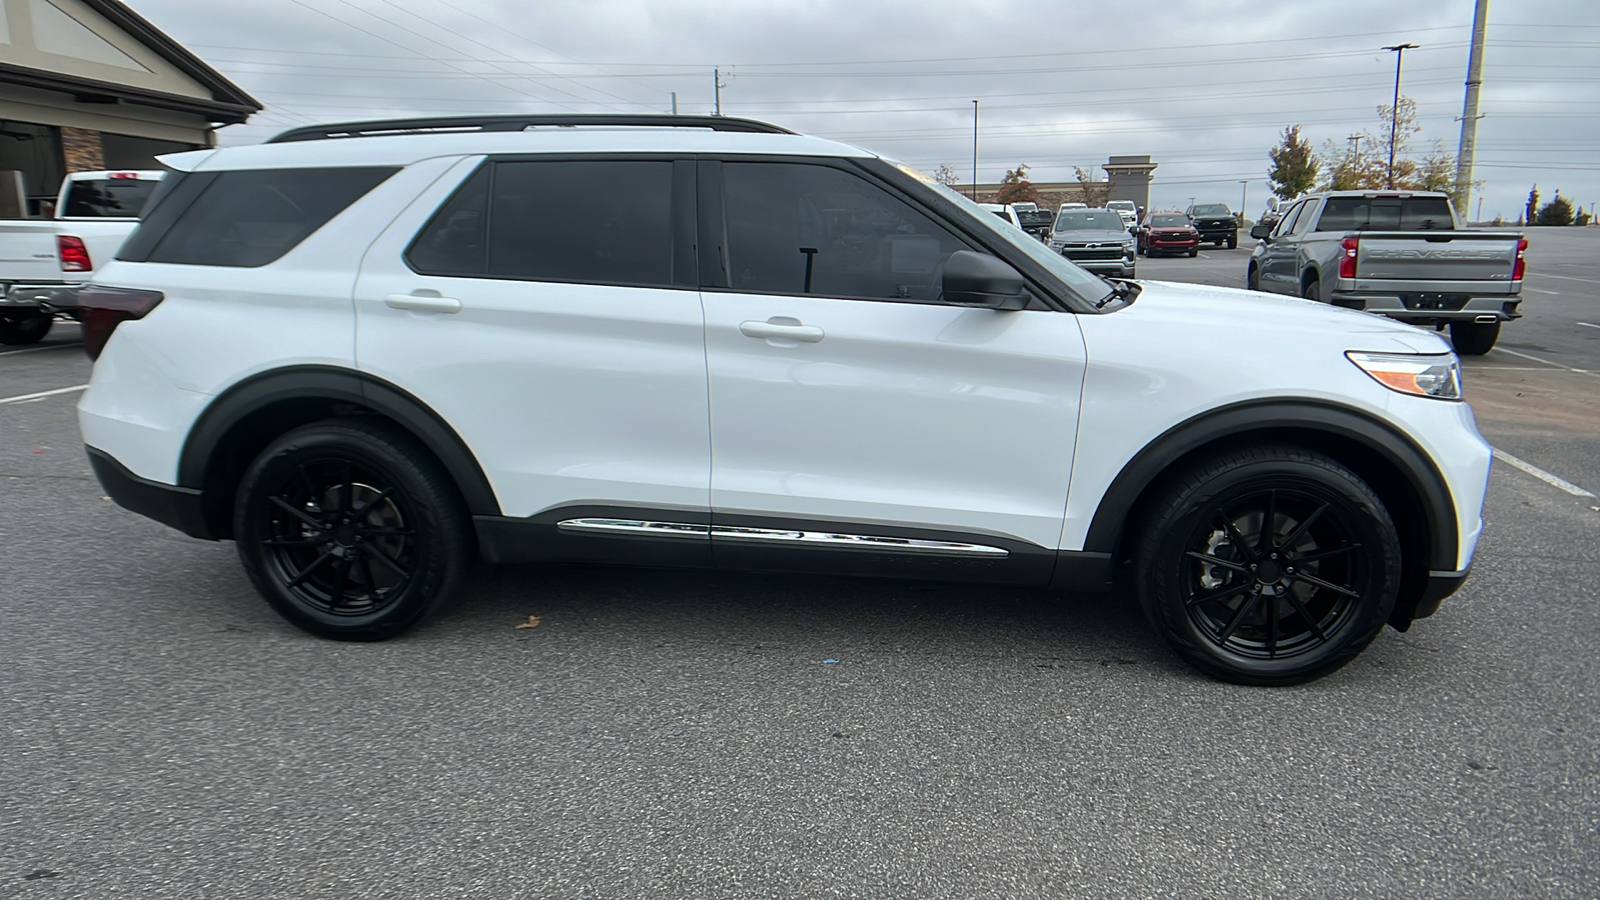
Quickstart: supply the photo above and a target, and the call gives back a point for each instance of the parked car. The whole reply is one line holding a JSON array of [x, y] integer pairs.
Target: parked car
[[1004, 211], [43, 262], [1128, 211], [1216, 223], [1095, 240], [369, 353], [1395, 253], [1037, 222], [1168, 232]]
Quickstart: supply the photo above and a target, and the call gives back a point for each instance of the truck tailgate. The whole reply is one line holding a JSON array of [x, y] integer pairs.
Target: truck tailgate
[[28, 251], [1457, 256]]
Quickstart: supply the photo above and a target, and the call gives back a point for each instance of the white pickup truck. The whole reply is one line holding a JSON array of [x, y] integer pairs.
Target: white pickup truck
[[43, 262]]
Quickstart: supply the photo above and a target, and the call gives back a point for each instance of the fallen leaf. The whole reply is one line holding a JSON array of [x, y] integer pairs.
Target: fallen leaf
[[533, 622]]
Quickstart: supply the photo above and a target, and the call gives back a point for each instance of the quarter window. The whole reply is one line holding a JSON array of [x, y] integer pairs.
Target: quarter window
[[814, 229]]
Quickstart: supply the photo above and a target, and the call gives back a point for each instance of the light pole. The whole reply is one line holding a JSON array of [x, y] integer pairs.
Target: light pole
[[974, 151], [1394, 111], [1244, 191]]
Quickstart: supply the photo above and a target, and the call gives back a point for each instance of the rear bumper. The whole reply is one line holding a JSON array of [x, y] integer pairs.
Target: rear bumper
[[48, 297], [176, 507], [1425, 309]]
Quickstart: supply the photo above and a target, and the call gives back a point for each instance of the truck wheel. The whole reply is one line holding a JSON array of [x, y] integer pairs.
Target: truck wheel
[[1252, 278], [1193, 253], [24, 327], [1474, 338], [1312, 290], [1268, 565], [1233, 242]]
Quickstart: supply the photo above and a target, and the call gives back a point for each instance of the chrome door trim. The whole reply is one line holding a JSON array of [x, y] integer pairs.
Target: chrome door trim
[[781, 537], [634, 527]]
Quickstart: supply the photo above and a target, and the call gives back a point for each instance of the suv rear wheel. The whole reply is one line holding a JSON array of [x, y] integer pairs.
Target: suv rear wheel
[[26, 327], [351, 530], [1271, 565]]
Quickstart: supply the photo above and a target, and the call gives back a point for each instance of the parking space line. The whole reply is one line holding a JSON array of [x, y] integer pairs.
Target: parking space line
[[42, 394], [38, 349], [1541, 474], [1545, 361], [1589, 325], [1564, 277]]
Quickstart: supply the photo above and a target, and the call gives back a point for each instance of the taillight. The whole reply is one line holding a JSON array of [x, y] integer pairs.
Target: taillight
[[74, 255], [102, 309], [1521, 265], [1347, 257]]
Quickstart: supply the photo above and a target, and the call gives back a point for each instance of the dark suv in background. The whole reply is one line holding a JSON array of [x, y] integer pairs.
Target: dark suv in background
[[1215, 223]]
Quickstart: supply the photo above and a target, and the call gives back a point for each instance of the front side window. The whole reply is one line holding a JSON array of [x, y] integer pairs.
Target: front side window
[[1286, 223], [812, 229], [251, 217]]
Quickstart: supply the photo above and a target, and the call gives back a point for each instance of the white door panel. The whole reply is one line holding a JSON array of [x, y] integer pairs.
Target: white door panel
[[893, 413]]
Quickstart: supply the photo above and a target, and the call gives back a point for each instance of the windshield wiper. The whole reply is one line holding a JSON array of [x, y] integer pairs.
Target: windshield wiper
[[1120, 290]]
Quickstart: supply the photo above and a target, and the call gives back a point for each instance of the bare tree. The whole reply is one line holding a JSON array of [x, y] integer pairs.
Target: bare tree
[[1095, 193], [947, 176]]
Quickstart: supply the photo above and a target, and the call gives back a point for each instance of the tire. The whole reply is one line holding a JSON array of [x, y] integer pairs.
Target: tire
[[24, 327], [1143, 250], [1233, 242], [1312, 290], [1194, 253], [1473, 338], [351, 530], [1252, 278], [1203, 564]]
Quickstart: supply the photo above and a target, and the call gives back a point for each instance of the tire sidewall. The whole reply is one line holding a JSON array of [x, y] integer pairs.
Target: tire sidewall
[[1163, 595]]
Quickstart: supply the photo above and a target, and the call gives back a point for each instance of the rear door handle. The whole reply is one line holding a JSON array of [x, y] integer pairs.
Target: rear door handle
[[782, 328], [423, 303]]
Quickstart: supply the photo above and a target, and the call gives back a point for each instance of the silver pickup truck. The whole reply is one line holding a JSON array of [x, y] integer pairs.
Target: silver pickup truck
[[1396, 253], [43, 262]]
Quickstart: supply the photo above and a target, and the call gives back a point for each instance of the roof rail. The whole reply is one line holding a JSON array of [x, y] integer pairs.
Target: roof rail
[[455, 124]]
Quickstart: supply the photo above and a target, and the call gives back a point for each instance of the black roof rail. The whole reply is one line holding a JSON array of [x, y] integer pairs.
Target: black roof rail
[[449, 124]]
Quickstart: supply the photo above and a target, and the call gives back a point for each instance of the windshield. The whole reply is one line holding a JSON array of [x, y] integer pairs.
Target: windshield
[[120, 198], [1169, 221], [1087, 286], [1212, 209], [1089, 220]]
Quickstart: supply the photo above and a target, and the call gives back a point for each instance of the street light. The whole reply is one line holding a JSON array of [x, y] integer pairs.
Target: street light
[[1394, 111], [974, 150]]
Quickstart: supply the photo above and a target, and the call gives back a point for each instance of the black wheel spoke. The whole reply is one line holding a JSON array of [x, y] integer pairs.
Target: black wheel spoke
[[347, 488], [311, 486], [1264, 542], [1219, 561], [306, 572], [367, 577], [1304, 526], [297, 542], [384, 559], [300, 514], [386, 532], [1326, 554], [1235, 537], [1238, 616], [1219, 594], [1328, 585], [1272, 627], [1306, 614], [341, 579], [371, 504]]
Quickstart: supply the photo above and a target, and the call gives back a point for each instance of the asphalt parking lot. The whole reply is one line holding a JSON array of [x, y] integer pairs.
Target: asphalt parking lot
[[671, 734]]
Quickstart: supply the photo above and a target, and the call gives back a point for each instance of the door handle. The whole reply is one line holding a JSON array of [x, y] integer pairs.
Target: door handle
[[782, 328], [423, 303]]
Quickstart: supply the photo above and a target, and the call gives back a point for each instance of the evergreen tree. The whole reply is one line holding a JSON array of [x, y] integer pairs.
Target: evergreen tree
[[1294, 166]]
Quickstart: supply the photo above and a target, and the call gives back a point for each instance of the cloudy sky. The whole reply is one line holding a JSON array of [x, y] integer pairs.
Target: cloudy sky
[[1205, 87]]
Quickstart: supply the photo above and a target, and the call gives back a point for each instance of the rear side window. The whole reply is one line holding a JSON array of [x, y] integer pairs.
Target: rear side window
[[249, 218], [579, 221], [1386, 214], [120, 198]]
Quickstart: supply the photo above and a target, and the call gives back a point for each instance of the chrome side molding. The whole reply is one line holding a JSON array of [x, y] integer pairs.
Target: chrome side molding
[[781, 537]]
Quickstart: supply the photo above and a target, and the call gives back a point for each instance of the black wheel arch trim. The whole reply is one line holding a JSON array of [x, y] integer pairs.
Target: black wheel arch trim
[[1274, 417], [197, 462]]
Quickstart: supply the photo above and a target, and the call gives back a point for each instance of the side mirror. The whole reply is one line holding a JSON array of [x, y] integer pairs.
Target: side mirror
[[974, 279], [1261, 232]]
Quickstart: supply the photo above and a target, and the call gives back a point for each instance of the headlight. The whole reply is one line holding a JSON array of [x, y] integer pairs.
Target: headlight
[[1436, 375]]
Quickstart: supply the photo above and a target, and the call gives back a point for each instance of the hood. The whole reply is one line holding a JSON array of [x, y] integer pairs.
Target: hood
[[1252, 313], [1090, 237]]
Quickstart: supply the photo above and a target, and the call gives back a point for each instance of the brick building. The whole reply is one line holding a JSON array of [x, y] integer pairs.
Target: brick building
[[1127, 178], [89, 84]]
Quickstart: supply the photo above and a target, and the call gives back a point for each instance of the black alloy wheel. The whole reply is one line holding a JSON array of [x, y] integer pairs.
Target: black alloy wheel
[[1269, 566], [24, 327], [350, 530]]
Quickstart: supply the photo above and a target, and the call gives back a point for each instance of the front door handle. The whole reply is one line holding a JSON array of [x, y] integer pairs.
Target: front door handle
[[423, 303], [782, 328]]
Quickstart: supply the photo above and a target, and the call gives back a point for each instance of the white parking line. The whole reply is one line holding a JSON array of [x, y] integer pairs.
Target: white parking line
[[1564, 277], [1545, 361], [1589, 325], [1541, 474], [42, 394], [38, 349]]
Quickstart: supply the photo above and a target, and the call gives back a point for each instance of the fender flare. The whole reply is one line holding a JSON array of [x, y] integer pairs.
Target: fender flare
[[334, 385], [1280, 417]]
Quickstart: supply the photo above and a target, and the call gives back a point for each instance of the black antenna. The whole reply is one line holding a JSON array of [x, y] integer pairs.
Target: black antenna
[[470, 124]]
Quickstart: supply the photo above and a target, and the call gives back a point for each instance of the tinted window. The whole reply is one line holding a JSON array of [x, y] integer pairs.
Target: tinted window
[[1286, 224], [452, 243], [1386, 214], [1080, 220], [250, 218], [798, 229], [591, 221], [120, 198]]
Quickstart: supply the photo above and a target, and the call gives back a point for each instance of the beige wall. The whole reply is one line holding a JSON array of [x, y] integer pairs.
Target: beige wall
[[67, 37]]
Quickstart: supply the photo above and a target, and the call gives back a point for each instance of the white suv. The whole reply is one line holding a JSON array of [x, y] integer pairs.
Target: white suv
[[367, 352]]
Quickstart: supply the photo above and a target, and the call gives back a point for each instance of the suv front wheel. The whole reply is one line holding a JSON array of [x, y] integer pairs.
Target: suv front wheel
[[1269, 566], [351, 530]]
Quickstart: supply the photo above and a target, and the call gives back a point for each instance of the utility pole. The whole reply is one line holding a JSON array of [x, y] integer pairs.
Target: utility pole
[[674, 102], [974, 151], [1394, 111], [1469, 107], [1244, 191], [716, 81]]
